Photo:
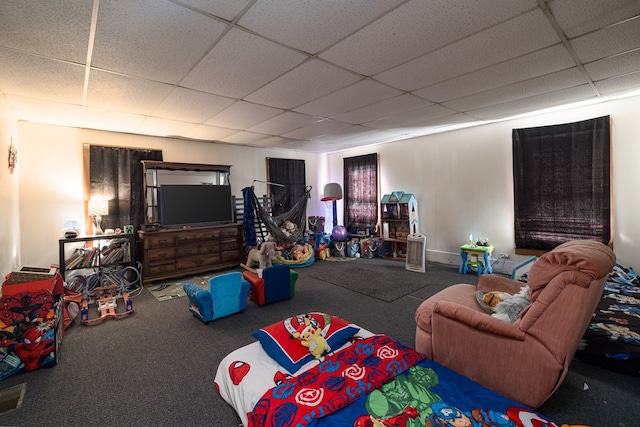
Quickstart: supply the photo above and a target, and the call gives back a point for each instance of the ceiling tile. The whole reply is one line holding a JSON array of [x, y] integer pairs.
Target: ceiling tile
[[241, 63], [244, 137], [190, 105], [209, 133], [311, 25], [129, 94], [413, 30], [554, 58], [608, 41], [518, 36], [628, 82], [359, 94], [38, 77], [307, 82], [285, 122], [164, 127], [45, 111], [410, 117], [534, 103], [614, 65], [540, 85], [243, 115], [318, 129], [155, 39], [112, 120], [379, 110], [225, 9], [55, 29], [585, 16]]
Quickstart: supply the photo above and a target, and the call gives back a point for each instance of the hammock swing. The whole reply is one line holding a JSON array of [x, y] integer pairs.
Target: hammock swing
[[287, 229]]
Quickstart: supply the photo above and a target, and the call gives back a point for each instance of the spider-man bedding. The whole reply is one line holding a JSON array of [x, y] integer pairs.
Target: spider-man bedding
[[365, 380]]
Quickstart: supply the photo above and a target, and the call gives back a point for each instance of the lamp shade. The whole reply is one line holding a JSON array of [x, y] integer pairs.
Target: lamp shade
[[332, 191], [98, 207]]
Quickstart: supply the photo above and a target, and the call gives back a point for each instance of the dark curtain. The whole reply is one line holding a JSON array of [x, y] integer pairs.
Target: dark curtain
[[290, 173], [562, 183], [361, 191], [116, 175]]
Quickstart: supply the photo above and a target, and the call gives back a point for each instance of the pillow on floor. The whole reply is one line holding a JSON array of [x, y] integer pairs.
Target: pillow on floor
[[278, 342]]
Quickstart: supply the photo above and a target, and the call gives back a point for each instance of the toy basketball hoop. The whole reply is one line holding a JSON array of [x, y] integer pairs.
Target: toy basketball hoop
[[333, 192]]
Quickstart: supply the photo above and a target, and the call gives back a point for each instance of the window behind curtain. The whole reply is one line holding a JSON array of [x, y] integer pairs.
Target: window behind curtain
[[290, 173], [115, 174], [361, 192], [562, 184]]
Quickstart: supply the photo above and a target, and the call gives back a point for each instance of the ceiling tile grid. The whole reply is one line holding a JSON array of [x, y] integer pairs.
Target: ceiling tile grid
[[310, 75]]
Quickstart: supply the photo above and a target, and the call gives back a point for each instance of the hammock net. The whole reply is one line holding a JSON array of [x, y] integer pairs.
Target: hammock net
[[287, 228]]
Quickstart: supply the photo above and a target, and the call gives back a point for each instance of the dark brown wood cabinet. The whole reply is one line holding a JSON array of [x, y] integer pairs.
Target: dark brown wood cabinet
[[174, 253]]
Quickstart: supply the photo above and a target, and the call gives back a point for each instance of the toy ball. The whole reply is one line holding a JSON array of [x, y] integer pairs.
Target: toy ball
[[339, 233]]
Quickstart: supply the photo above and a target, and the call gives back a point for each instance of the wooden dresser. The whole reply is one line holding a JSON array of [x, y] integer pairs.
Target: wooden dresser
[[175, 253]]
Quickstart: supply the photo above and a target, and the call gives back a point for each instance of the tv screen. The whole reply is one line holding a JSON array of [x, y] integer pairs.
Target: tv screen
[[181, 205]]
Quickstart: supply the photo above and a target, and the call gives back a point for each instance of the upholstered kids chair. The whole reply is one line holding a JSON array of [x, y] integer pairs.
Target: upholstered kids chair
[[528, 359], [226, 294], [276, 284]]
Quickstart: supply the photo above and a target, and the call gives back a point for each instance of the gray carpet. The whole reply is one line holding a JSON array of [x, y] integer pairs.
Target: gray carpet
[[156, 367], [385, 281]]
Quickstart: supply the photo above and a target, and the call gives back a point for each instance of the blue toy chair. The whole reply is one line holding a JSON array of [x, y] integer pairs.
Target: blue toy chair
[[227, 294]]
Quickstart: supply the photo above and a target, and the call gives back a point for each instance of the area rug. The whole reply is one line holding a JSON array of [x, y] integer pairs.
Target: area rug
[[384, 283], [170, 289]]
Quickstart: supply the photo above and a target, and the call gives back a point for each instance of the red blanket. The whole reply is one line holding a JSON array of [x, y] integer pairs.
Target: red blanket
[[339, 380]]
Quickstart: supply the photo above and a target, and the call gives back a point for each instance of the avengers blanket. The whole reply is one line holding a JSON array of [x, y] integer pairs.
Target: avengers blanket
[[613, 337], [372, 381]]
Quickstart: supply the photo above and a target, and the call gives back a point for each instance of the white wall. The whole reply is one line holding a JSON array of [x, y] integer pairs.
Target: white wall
[[463, 181], [9, 213], [51, 189]]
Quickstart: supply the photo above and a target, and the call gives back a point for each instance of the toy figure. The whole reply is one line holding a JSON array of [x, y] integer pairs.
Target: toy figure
[[310, 335]]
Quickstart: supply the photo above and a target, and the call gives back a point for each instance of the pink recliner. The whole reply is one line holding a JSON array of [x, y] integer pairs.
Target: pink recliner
[[526, 360]]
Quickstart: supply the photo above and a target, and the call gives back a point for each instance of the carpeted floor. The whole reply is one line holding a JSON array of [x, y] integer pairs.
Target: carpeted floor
[[166, 290], [156, 367], [386, 282]]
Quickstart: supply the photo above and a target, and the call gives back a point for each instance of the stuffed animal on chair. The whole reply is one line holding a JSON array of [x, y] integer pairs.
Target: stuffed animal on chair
[[263, 257]]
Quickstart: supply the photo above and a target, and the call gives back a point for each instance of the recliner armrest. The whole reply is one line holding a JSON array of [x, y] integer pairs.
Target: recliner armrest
[[491, 282], [478, 320]]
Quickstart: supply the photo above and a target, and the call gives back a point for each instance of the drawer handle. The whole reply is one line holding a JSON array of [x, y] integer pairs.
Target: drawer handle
[[162, 241], [162, 255], [199, 262], [188, 251]]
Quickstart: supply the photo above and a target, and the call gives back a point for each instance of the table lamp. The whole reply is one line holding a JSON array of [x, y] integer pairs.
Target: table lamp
[[98, 208]]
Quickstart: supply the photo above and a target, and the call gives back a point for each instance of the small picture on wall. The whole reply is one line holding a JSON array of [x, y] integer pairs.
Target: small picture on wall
[[13, 157]]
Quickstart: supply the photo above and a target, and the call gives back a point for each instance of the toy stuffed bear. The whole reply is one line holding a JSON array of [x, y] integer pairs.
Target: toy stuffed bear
[[263, 257]]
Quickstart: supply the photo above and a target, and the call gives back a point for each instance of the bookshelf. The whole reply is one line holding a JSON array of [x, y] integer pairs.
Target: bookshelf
[[96, 252]]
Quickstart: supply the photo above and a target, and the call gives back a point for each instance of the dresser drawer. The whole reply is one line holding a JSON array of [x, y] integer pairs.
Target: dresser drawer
[[160, 254], [197, 235], [197, 261], [229, 244], [229, 232], [212, 247], [188, 250], [160, 269], [152, 240], [231, 255]]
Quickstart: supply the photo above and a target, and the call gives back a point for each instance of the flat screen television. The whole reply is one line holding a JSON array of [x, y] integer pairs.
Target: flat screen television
[[182, 205]]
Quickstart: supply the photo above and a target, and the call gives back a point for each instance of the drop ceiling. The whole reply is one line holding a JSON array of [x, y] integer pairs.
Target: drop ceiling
[[310, 75]]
